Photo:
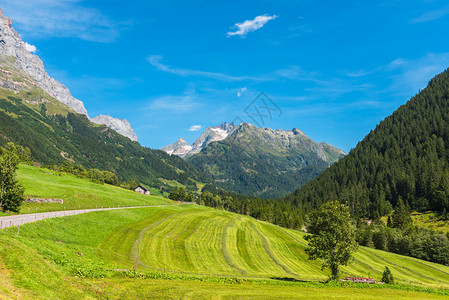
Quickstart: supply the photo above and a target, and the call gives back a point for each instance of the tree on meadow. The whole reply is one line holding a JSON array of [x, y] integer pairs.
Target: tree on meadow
[[332, 236]]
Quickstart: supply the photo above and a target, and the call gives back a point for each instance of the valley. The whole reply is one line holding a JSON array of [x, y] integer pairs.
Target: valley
[[160, 249], [241, 210]]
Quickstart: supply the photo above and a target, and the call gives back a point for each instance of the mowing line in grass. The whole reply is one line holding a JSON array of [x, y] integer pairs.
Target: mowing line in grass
[[404, 267], [268, 250], [135, 250], [225, 252]]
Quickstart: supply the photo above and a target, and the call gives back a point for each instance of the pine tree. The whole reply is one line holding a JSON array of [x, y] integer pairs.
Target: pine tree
[[389, 222], [387, 276], [401, 215]]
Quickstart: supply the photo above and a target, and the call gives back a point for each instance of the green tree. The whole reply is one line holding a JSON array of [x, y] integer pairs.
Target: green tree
[[130, 184], [110, 178], [190, 197], [387, 277], [389, 222], [11, 191], [401, 215], [333, 236], [178, 194]]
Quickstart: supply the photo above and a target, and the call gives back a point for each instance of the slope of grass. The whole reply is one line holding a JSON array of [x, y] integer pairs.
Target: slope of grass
[[184, 242], [76, 192], [176, 251], [431, 221]]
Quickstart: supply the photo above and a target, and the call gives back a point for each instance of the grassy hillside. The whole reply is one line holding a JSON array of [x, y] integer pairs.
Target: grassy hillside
[[177, 251], [431, 221], [76, 192], [91, 254]]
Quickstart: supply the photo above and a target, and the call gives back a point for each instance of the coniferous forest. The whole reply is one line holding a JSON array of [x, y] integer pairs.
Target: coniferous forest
[[406, 157]]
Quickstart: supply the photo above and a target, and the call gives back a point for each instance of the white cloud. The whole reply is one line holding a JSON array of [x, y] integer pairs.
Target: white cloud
[[407, 75], [30, 48], [290, 73], [174, 104], [195, 128], [242, 29], [415, 74], [241, 91], [60, 18], [432, 15], [155, 60]]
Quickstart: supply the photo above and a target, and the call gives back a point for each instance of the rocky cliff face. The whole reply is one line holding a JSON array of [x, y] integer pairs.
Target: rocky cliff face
[[180, 148], [22, 70], [211, 134], [13, 48], [122, 126]]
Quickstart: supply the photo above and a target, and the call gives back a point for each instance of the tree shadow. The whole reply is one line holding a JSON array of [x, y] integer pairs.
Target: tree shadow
[[290, 279]]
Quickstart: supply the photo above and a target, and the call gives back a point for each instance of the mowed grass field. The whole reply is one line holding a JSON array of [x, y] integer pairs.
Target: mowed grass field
[[178, 251], [187, 251], [76, 192]]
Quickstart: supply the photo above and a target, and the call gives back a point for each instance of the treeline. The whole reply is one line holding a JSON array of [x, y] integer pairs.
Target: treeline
[[274, 211], [401, 237], [406, 157]]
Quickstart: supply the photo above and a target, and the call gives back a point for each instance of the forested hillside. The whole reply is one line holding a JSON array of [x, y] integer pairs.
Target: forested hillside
[[264, 162], [406, 157], [55, 134]]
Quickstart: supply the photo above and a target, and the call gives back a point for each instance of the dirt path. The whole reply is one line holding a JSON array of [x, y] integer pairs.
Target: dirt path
[[17, 220]]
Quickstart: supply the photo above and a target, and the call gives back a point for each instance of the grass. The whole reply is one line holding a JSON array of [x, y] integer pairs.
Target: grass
[[76, 192], [189, 251], [180, 251], [428, 219], [431, 221], [176, 184]]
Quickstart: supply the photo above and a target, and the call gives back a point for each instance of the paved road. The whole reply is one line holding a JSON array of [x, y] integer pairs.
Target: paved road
[[17, 220]]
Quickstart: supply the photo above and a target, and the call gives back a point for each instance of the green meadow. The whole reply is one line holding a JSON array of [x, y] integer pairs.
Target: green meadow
[[76, 192], [180, 251]]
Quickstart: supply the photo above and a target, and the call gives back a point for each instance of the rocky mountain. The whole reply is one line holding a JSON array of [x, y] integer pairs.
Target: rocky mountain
[[264, 162], [122, 126], [58, 129], [55, 134], [180, 148], [210, 134], [15, 50], [15, 56]]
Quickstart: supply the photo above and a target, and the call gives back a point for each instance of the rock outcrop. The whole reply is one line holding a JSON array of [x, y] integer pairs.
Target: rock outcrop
[[211, 134], [15, 58], [13, 48], [180, 148], [122, 126]]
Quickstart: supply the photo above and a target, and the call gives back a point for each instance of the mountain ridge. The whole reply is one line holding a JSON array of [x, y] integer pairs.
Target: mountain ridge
[[211, 134], [122, 126], [264, 162], [14, 49]]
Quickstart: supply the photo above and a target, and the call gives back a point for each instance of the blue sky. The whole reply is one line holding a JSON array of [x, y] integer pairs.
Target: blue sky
[[334, 68]]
